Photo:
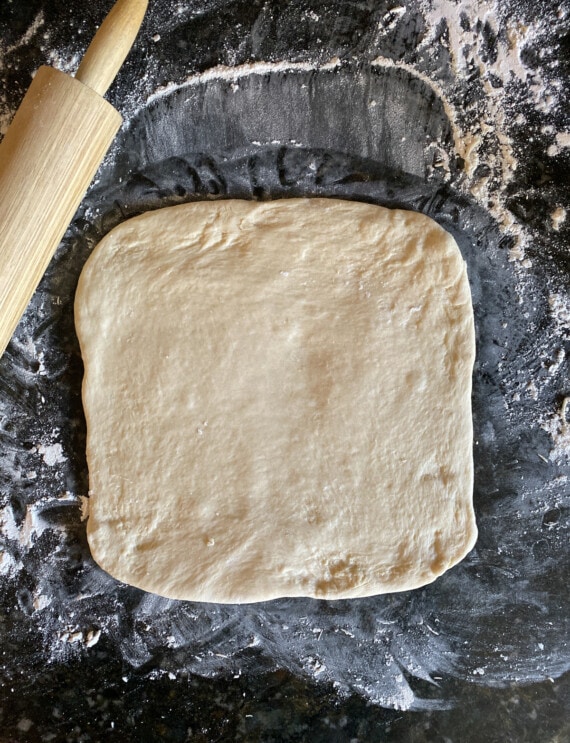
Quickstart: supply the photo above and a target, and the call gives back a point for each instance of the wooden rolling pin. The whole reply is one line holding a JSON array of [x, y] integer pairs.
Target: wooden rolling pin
[[49, 156]]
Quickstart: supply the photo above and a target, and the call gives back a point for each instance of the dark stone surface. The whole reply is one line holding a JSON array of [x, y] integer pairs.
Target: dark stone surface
[[481, 654]]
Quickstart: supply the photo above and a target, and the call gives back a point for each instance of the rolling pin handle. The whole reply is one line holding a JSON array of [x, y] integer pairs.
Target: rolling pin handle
[[111, 44]]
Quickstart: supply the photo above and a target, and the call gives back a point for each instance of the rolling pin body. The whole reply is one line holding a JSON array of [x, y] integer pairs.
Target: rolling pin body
[[49, 155], [48, 158]]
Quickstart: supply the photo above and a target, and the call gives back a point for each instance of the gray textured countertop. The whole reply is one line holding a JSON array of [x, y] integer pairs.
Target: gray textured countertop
[[456, 110]]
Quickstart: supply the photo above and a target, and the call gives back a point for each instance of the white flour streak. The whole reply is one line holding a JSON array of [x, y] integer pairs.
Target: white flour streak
[[37, 23], [234, 74]]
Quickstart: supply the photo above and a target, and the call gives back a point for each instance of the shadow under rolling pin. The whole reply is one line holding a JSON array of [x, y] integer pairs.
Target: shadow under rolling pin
[[50, 154]]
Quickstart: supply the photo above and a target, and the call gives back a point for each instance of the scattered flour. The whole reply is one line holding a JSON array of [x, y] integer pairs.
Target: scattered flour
[[41, 601], [52, 454], [558, 217], [559, 305], [556, 423], [9, 566], [558, 427], [484, 43], [481, 37], [88, 638], [20, 534], [561, 142], [8, 526]]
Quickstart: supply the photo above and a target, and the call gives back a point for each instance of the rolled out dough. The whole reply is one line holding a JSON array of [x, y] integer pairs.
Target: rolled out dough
[[278, 400]]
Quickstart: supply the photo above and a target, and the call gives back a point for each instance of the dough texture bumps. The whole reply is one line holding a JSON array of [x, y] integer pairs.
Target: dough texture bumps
[[278, 400]]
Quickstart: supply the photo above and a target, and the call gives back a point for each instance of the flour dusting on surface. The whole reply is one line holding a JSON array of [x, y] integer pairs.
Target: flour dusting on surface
[[51, 454], [495, 72]]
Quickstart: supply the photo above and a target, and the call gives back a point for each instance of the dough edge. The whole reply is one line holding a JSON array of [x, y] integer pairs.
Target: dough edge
[[100, 549]]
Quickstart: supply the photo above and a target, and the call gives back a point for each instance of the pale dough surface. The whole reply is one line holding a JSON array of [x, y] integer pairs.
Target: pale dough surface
[[278, 400]]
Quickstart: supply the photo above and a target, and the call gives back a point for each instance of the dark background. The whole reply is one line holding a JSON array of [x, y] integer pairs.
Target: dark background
[[480, 655]]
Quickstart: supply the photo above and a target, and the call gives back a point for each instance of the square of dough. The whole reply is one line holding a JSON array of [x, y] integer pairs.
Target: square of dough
[[278, 400]]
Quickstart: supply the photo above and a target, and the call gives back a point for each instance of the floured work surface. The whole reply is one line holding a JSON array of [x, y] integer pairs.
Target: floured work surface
[[278, 400]]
